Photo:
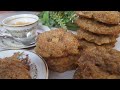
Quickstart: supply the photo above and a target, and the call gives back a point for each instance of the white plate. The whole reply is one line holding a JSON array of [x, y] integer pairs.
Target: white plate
[[38, 67]]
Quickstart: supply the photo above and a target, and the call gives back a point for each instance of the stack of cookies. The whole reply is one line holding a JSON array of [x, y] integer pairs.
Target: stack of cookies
[[98, 28], [59, 48], [97, 35], [98, 63]]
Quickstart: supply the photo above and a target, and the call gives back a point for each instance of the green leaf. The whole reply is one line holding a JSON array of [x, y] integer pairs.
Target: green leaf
[[46, 17], [58, 19], [72, 26]]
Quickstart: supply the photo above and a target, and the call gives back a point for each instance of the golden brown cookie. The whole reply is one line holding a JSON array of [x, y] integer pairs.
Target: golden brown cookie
[[85, 44], [13, 69], [57, 43], [108, 17], [90, 71], [96, 38], [97, 27], [107, 60], [62, 64]]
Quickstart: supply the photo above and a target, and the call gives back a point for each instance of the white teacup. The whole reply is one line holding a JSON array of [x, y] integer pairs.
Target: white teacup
[[22, 27]]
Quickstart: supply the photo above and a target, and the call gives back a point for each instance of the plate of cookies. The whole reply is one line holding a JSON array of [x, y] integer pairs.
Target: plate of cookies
[[91, 52], [22, 64]]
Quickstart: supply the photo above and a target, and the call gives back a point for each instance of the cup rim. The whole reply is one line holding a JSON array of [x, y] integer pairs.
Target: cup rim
[[20, 15]]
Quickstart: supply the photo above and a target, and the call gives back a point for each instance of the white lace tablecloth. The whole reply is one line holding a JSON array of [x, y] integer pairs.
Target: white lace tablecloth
[[52, 75]]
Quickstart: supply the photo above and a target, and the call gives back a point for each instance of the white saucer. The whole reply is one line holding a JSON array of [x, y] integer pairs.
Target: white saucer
[[8, 43]]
